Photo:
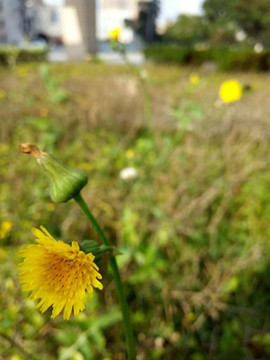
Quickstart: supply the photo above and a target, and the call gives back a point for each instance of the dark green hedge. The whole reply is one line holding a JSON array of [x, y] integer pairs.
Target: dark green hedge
[[10, 56], [226, 59]]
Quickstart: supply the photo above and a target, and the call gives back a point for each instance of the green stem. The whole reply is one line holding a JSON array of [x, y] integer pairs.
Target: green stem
[[117, 279], [145, 93]]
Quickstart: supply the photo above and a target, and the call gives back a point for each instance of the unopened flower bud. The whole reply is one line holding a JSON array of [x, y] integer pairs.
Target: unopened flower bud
[[64, 182]]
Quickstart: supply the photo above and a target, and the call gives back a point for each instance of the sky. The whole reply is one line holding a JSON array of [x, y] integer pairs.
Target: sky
[[170, 9]]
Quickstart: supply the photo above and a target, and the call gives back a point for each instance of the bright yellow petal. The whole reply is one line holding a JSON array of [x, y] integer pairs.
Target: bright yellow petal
[[230, 91], [57, 274]]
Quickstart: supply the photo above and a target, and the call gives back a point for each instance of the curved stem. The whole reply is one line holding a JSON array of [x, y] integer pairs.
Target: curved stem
[[117, 278]]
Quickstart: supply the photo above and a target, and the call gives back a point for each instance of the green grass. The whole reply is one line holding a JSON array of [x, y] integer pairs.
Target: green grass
[[193, 227]]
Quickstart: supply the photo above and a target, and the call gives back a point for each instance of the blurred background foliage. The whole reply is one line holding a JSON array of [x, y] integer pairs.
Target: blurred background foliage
[[232, 34], [220, 21], [193, 226]]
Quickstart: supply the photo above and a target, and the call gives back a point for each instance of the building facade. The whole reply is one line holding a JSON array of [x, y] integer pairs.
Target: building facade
[[22, 19], [11, 21], [43, 21], [112, 14]]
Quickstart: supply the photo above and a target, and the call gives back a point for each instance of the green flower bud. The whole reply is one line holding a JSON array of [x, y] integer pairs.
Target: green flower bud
[[64, 182], [91, 246]]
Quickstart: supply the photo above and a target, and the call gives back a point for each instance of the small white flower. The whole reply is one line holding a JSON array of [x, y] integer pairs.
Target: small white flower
[[128, 173], [240, 35], [258, 48], [126, 36]]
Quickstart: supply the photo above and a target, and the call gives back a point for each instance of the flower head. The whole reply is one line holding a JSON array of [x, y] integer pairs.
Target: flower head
[[5, 227], [194, 79], [128, 173], [230, 91], [121, 35], [64, 182], [130, 153], [58, 274], [115, 33]]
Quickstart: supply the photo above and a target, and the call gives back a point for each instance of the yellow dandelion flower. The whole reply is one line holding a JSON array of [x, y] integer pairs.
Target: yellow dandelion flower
[[5, 227], [58, 274], [114, 33], [194, 79], [230, 91]]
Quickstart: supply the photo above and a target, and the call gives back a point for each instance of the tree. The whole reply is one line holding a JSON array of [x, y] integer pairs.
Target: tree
[[187, 30], [146, 22], [252, 16], [218, 10]]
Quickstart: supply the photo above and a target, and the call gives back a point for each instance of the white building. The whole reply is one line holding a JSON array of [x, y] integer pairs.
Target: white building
[[44, 21], [113, 13], [28, 18]]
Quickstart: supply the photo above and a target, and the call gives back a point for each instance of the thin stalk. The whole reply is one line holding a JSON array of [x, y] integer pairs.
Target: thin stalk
[[145, 93], [117, 278]]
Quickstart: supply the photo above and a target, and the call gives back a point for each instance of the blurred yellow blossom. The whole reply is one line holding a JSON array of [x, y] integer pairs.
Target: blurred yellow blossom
[[115, 33], [3, 93], [58, 274], [194, 79], [130, 154], [77, 356], [16, 357], [230, 91], [22, 72], [9, 283], [5, 227]]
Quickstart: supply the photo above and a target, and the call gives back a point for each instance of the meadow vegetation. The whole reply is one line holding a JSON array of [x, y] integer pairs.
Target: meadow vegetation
[[193, 227]]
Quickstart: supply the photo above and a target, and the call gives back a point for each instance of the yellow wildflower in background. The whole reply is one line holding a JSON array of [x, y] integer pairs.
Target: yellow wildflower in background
[[5, 227], [230, 91], [58, 274], [22, 72], [194, 79], [114, 33], [130, 154]]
